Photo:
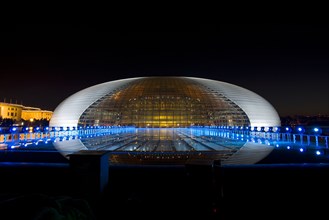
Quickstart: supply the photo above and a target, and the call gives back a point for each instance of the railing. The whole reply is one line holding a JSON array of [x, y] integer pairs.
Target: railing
[[17, 135]]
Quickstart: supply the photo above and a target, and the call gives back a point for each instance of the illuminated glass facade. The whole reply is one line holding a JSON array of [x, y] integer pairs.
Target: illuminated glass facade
[[162, 102], [165, 102], [164, 119]]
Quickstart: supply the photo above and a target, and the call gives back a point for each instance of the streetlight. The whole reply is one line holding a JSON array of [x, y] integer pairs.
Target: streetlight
[[31, 122]]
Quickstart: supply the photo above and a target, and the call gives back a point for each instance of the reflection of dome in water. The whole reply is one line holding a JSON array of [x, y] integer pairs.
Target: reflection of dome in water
[[175, 150], [165, 102], [163, 111]]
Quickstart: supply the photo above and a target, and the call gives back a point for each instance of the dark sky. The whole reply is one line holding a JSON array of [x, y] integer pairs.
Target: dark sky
[[287, 64]]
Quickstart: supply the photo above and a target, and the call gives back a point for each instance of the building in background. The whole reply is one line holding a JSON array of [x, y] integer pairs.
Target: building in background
[[11, 111], [18, 112], [32, 113]]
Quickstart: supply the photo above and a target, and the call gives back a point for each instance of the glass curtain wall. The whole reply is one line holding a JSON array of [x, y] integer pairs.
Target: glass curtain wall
[[164, 102]]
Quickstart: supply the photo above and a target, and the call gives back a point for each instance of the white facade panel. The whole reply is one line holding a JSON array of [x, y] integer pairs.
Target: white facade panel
[[68, 112], [259, 111]]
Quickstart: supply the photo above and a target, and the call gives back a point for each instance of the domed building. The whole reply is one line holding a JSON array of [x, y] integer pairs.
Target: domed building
[[165, 102], [166, 120]]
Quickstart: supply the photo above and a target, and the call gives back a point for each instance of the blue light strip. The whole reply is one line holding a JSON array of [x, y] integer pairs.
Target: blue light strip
[[297, 136]]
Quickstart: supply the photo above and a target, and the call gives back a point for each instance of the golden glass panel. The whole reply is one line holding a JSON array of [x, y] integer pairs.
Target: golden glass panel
[[164, 102]]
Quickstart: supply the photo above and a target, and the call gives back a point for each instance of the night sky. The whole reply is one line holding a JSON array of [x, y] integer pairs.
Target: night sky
[[287, 64]]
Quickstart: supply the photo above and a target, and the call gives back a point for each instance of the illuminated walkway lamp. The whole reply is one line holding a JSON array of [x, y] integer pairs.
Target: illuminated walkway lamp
[[316, 131], [299, 130], [25, 129], [277, 129], [287, 132], [287, 129], [13, 129]]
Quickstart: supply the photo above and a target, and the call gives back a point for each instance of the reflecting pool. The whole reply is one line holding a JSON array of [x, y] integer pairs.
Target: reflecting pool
[[180, 145]]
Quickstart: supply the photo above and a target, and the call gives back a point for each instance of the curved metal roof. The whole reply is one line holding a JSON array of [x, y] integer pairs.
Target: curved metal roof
[[259, 111]]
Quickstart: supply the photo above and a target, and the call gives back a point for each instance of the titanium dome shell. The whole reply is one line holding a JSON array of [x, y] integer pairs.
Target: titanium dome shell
[[165, 102]]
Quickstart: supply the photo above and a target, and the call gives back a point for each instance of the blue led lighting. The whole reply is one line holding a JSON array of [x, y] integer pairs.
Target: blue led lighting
[[277, 129]]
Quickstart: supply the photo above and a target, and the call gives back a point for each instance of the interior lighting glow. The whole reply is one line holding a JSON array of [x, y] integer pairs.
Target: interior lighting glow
[[169, 109]]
